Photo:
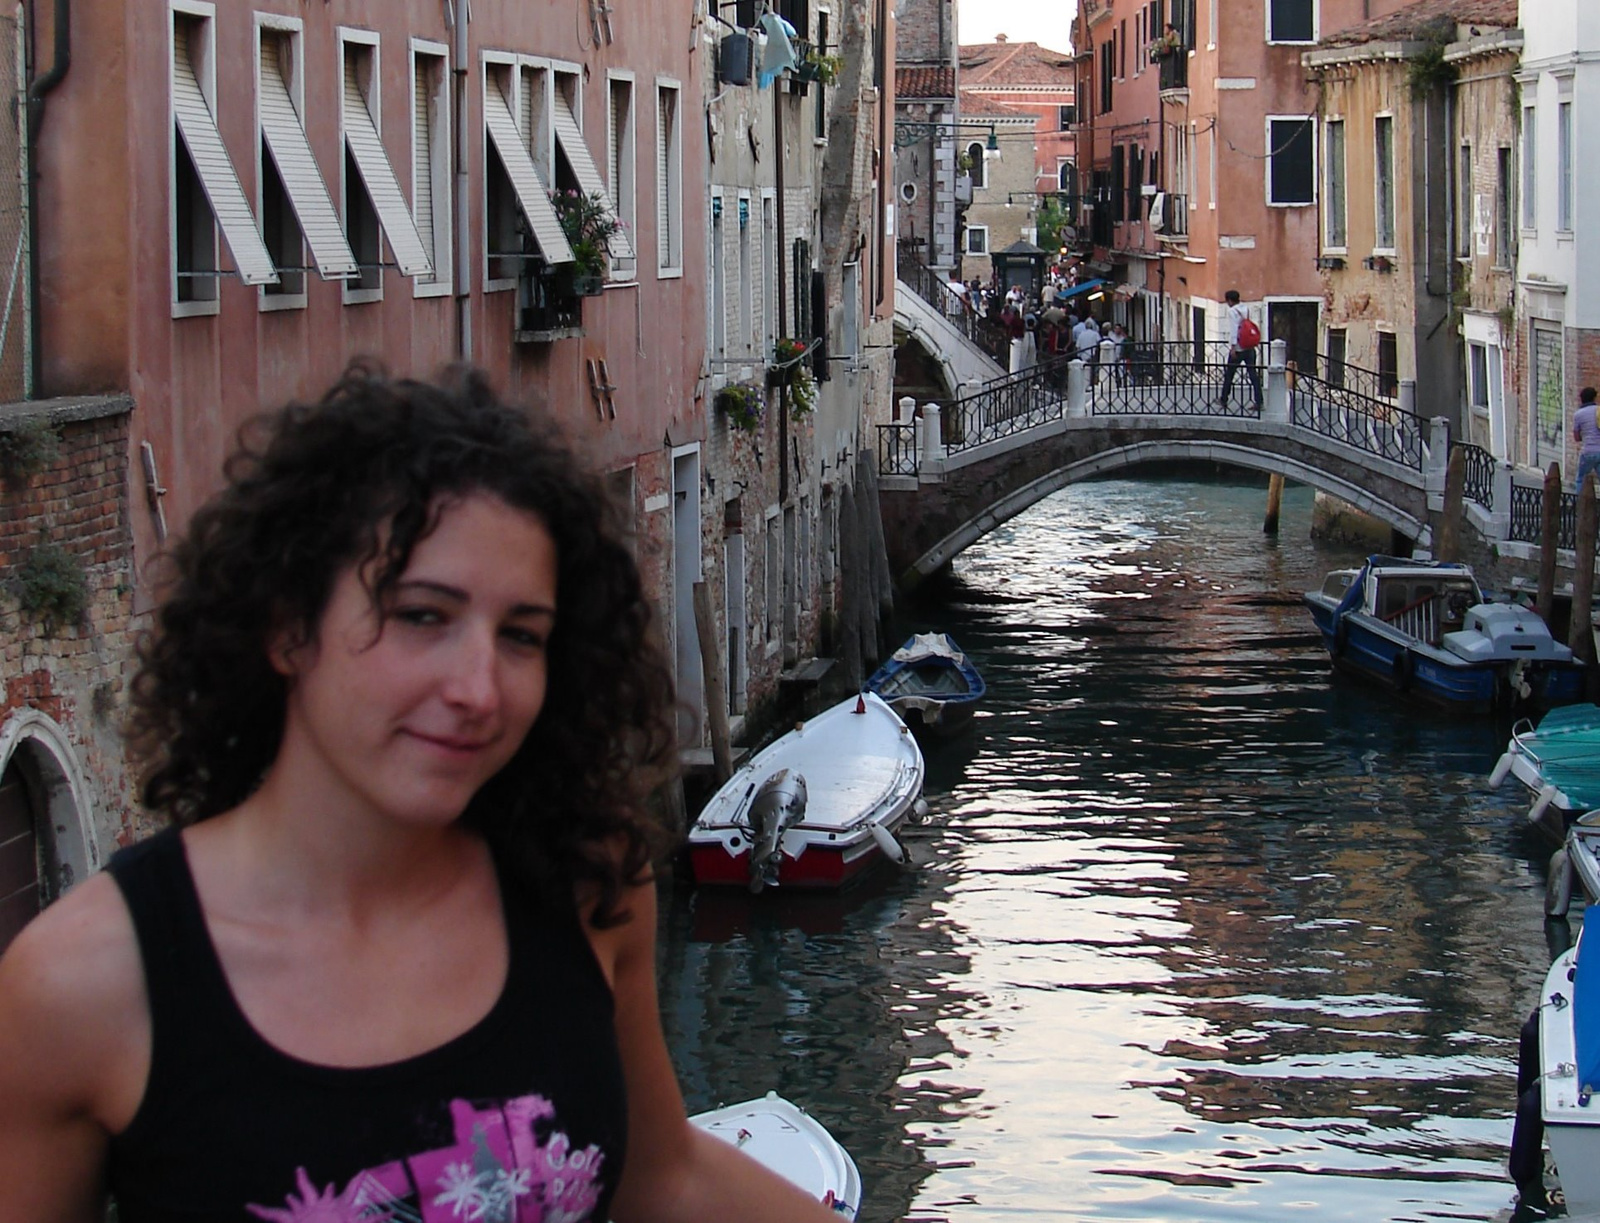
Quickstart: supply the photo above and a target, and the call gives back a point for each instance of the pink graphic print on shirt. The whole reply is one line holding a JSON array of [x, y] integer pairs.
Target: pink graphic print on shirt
[[498, 1171]]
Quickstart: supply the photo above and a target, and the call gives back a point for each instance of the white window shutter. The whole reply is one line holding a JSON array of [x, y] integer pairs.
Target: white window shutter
[[308, 195], [366, 147], [198, 128], [532, 195], [583, 169], [422, 154]]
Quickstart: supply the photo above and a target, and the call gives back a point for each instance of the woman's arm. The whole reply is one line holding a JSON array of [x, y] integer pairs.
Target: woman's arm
[[676, 1172], [72, 1015]]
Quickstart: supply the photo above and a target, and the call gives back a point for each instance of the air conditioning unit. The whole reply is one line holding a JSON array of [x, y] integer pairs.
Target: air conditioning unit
[[733, 59]]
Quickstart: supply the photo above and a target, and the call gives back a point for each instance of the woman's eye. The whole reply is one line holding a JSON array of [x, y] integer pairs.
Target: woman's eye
[[525, 637], [418, 615]]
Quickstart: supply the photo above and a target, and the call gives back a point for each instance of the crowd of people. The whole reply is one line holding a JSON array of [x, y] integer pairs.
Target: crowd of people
[[1051, 324]]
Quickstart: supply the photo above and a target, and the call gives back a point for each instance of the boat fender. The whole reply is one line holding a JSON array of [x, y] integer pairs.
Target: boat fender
[[1546, 797], [1501, 768], [892, 849], [919, 810], [1558, 885], [1403, 665]]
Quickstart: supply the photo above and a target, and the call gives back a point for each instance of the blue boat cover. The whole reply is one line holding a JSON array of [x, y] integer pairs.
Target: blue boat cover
[[1586, 1002], [1566, 747]]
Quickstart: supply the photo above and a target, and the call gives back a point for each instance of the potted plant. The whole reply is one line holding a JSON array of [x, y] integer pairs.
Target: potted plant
[[789, 369], [818, 65], [589, 226], [742, 405]]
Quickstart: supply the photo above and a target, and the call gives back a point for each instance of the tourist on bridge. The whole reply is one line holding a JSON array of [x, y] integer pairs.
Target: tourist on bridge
[[1243, 337], [1586, 432], [1086, 336]]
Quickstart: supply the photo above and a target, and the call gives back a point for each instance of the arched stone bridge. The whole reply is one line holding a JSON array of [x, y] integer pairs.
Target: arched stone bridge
[[950, 476]]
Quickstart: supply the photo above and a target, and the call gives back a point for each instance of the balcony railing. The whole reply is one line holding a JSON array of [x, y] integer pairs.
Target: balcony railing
[[1174, 69]]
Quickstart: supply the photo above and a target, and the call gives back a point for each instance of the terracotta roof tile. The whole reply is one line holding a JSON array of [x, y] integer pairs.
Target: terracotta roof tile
[[976, 106], [1419, 21], [924, 83], [991, 64]]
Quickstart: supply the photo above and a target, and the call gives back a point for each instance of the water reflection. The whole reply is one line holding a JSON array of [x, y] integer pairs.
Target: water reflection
[[1195, 932]]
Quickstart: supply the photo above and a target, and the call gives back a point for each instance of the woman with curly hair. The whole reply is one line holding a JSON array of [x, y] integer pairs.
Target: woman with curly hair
[[394, 958]]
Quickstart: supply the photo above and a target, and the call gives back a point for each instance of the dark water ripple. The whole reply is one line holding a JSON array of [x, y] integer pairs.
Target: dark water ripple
[[1194, 932]]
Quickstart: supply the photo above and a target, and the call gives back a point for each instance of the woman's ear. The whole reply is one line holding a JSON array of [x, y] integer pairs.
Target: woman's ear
[[286, 643]]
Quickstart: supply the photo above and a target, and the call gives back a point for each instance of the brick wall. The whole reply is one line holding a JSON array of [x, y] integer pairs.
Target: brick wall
[[75, 674]]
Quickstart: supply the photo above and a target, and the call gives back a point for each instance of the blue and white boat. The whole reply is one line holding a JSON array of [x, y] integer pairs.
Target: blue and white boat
[[930, 683], [1559, 762], [1426, 629], [1561, 1044]]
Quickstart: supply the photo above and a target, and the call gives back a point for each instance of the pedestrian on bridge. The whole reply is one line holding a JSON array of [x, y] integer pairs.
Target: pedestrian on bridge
[[1243, 337], [1586, 432]]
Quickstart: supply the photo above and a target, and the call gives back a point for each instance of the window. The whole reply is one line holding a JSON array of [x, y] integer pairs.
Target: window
[[820, 121], [1383, 182], [769, 273], [574, 165], [774, 578], [977, 167], [1388, 365], [1530, 168], [373, 201], [621, 153], [977, 239], [1564, 166], [717, 258], [746, 318], [1464, 202], [669, 184], [735, 615], [1291, 162], [430, 164], [1122, 49], [1291, 20], [206, 194], [1066, 177], [297, 212], [1478, 377], [1334, 233], [1108, 53], [514, 186], [1336, 356], [850, 314], [1066, 116], [1503, 208]]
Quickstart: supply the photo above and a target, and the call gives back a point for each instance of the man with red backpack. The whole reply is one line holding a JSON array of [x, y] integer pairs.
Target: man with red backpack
[[1243, 339]]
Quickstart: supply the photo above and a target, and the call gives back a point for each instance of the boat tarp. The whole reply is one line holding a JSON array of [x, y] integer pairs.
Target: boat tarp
[[1586, 1002], [924, 646], [1566, 748]]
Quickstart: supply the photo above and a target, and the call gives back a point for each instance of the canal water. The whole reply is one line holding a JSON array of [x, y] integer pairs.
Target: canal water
[[1193, 931]]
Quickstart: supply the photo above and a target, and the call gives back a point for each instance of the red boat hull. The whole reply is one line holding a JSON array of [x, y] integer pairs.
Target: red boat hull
[[714, 866]]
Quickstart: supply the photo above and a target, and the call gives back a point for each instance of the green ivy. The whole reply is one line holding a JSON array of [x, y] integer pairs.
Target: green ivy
[[50, 587], [28, 449]]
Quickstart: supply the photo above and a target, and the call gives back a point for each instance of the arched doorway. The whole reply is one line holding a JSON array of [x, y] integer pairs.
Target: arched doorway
[[20, 898], [46, 845]]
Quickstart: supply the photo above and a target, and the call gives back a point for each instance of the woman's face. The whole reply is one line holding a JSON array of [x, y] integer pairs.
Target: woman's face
[[409, 715]]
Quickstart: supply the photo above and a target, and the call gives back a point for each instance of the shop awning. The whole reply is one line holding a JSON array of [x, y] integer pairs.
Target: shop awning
[[1075, 290]]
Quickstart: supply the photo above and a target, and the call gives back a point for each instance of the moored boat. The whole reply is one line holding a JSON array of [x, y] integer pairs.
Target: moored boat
[[1558, 760], [792, 1143], [930, 683], [816, 807], [1424, 628], [1558, 1081]]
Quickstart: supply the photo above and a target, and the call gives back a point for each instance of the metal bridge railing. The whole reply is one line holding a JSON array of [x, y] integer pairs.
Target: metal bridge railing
[[897, 450], [1179, 378], [1479, 468], [1006, 405], [1370, 423], [934, 289]]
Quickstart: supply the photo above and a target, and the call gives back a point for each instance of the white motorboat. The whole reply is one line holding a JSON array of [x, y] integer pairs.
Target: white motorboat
[[817, 806], [792, 1143]]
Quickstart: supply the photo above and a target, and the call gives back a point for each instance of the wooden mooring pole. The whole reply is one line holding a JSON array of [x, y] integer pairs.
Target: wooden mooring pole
[[716, 683], [1274, 502], [1549, 540], [1448, 546], [1580, 632]]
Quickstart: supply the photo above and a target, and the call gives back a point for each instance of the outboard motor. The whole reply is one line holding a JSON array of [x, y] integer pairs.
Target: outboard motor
[[779, 804]]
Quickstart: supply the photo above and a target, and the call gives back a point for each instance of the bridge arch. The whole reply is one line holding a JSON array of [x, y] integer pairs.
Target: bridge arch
[[1119, 458]]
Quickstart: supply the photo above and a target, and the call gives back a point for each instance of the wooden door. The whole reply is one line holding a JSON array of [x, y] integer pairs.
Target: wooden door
[[19, 856]]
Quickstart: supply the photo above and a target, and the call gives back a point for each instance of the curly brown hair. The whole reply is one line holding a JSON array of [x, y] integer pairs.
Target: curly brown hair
[[357, 479]]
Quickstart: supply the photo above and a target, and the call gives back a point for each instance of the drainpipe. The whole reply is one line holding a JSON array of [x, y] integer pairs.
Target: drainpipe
[[41, 86], [457, 15]]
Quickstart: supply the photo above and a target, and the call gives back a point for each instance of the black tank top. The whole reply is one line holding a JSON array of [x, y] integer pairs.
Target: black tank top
[[520, 1119]]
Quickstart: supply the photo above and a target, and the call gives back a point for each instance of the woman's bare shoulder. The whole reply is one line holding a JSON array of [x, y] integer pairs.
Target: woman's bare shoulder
[[72, 982]]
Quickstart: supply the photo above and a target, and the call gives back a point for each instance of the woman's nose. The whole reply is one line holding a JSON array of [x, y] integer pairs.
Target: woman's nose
[[472, 681]]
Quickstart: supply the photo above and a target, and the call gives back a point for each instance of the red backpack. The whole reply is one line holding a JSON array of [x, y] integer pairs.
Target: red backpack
[[1249, 333]]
